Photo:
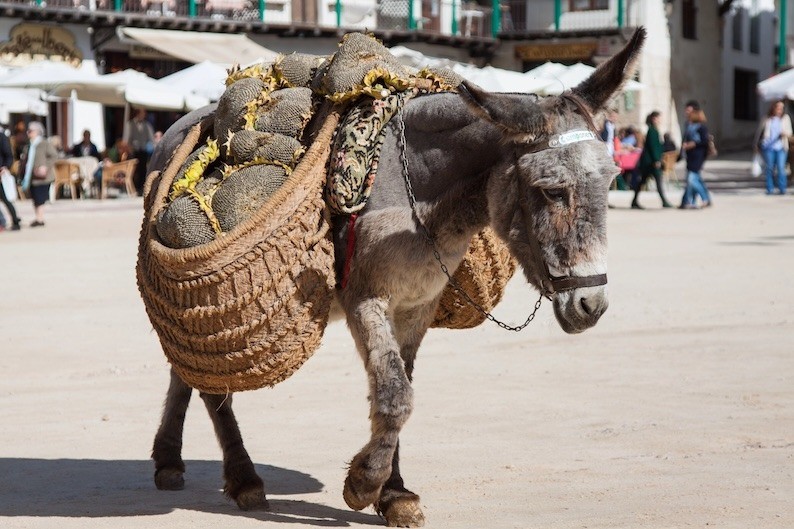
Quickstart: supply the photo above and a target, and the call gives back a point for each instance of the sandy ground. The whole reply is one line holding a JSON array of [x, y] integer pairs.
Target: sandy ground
[[676, 411]]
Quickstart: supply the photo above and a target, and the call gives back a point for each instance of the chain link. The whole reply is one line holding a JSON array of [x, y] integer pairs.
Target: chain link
[[432, 243]]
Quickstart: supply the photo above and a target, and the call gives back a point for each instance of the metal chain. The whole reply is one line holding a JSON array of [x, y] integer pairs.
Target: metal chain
[[432, 243]]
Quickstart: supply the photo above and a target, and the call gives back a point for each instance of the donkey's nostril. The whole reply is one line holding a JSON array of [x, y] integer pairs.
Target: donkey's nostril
[[589, 305], [594, 305]]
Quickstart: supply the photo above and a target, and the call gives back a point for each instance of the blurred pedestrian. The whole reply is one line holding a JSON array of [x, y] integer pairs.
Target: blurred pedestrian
[[37, 165], [86, 147], [772, 140], [6, 161], [650, 161], [139, 134], [609, 132], [627, 156], [695, 147]]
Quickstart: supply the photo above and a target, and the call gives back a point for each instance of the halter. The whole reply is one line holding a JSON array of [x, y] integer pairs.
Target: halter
[[551, 284]]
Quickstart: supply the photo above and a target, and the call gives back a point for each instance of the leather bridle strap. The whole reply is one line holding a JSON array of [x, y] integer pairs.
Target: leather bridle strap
[[551, 284]]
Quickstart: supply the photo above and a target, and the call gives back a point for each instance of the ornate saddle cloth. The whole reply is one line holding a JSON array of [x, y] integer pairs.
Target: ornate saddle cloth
[[355, 152]]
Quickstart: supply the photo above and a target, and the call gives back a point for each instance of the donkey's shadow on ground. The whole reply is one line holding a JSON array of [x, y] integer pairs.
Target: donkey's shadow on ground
[[98, 488]]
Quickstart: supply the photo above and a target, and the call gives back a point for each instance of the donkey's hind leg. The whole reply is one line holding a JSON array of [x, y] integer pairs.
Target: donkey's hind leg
[[242, 484], [167, 449]]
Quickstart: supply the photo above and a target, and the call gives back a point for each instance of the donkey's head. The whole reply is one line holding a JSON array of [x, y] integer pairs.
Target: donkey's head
[[548, 198]]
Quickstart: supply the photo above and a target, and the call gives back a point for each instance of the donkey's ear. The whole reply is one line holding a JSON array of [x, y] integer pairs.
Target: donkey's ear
[[610, 77], [516, 113]]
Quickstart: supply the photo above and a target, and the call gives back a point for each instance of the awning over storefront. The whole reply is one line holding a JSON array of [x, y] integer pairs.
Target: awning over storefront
[[195, 47]]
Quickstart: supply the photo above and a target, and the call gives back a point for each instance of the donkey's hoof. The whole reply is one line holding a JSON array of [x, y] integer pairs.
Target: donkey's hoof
[[357, 496], [169, 479], [401, 509], [250, 497]]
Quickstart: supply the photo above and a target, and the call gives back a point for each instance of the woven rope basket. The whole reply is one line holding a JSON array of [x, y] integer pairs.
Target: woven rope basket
[[483, 274], [249, 308]]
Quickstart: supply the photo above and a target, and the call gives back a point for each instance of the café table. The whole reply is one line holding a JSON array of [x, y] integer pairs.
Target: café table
[[85, 175]]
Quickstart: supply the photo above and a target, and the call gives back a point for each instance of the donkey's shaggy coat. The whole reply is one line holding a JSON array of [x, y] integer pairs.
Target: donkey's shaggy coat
[[475, 159]]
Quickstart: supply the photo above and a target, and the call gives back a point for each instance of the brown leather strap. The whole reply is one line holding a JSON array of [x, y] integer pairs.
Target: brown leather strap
[[571, 282]]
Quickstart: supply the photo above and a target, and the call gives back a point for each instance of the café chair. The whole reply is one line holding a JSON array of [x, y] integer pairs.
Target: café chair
[[119, 173], [65, 176], [669, 160]]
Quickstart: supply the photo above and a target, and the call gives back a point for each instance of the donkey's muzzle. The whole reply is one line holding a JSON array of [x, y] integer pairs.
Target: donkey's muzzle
[[579, 309]]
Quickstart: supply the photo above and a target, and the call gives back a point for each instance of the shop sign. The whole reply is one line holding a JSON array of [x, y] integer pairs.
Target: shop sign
[[553, 51], [31, 42], [139, 51]]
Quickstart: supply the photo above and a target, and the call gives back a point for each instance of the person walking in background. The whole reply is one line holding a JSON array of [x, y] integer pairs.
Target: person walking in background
[[628, 149], [139, 134], [6, 161], [608, 131], [695, 147], [772, 139], [85, 147], [37, 165], [650, 161]]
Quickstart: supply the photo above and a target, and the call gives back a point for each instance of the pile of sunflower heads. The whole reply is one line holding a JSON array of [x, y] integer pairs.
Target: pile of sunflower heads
[[255, 145], [258, 132]]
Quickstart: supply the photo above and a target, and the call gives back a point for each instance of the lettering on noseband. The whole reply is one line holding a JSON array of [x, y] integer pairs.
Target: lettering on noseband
[[573, 136]]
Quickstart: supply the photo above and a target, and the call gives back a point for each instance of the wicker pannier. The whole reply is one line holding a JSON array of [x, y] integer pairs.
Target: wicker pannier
[[249, 308], [483, 274]]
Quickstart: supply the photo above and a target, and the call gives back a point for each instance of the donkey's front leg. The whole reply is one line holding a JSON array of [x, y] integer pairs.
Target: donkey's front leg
[[391, 399], [241, 481], [398, 505], [169, 468]]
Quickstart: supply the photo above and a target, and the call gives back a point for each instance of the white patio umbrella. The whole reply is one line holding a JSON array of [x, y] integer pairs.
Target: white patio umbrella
[[573, 75], [55, 78], [205, 79], [21, 101], [548, 70], [499, 80], [138, 89], [117, 89], [780, 86], [488, 77], [418, 60]]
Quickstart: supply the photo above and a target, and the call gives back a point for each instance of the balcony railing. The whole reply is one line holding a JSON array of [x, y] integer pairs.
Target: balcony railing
[[468, 19]]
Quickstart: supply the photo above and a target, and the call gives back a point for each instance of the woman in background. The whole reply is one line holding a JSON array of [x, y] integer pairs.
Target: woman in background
[[772, 138], [651, 161], [37, 165]]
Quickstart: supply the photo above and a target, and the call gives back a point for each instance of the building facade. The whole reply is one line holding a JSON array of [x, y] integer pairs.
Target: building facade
[[708, 50]]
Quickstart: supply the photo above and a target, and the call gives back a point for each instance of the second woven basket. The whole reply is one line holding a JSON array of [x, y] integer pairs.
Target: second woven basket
[[483, 274]]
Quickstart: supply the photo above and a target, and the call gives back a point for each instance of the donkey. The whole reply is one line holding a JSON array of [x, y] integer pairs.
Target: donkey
[[532, 168]]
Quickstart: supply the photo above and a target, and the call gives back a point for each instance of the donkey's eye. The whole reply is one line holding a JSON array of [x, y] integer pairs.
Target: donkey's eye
[[555, 194]]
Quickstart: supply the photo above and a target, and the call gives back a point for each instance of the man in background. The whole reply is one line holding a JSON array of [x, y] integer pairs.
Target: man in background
[[6, 160]]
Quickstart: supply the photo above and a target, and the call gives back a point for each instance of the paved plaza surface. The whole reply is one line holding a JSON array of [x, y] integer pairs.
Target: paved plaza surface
[[676, 410]]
